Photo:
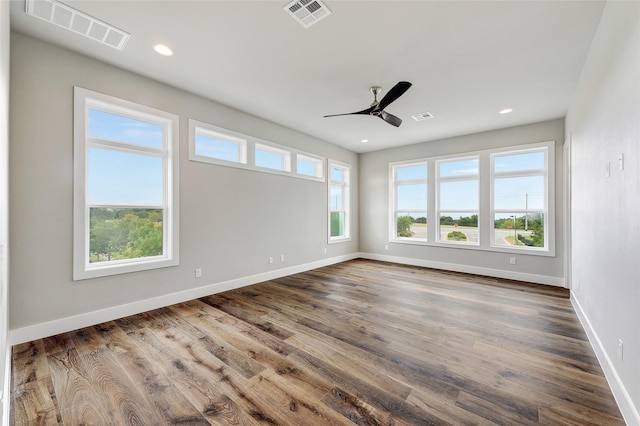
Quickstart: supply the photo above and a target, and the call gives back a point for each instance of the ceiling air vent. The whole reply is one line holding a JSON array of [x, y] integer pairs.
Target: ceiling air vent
[[307, 12], [80, 23], [422, 116]]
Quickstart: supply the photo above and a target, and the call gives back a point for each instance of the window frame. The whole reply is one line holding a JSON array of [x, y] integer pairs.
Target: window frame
[[346, 197], [239, 142], [249, 146], [393, 167], [318, 165], [548, 173], [285, 162], [486, 209], [438, 208], [84, 100]]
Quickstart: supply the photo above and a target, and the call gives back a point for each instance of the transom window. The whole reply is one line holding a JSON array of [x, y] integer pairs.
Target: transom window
[[273, 158], [215, 145], [310, 166], [125, 205]]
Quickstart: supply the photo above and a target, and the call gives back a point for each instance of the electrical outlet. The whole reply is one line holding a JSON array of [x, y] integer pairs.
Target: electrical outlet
[[621, 162], [386, 246], [512, 261], [282, 258], [270, 260], [325, 250], [620, 350], [198, 273]]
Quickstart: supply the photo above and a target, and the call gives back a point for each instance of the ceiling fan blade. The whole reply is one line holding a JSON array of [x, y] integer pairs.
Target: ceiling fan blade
[[363, 112], [390, 118], [393, 94]]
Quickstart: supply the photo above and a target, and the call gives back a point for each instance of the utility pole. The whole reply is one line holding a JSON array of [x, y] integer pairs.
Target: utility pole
[[526, 208]]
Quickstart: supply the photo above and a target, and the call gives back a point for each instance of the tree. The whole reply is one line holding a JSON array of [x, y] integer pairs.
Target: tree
[[145, 239], [404, 226], [468, 221], [537, 228], [446, 220], [125, 233]]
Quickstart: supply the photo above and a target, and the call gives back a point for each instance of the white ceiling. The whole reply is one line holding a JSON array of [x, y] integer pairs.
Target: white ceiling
[[466, 59]]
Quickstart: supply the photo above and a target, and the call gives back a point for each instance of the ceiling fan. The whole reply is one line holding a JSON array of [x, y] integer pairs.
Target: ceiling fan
[[377, 107]]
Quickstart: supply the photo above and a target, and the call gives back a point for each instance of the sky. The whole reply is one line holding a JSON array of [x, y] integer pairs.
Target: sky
[[123, 177], [459, 188]]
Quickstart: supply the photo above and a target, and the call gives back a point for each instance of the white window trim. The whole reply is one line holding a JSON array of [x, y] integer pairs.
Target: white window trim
[[250, 144], [319, 165], [461, 178], [83, 99], [549, 203], [393, 235], [286, 157], [485, 212], [196, 127], [346, 201]]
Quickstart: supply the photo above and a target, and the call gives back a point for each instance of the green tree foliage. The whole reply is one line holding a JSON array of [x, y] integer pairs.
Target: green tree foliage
[[536, 226], [124, 233], [421, 220], [537, 238], [471, 221], [446, 220], [456, 236], [404, 226]]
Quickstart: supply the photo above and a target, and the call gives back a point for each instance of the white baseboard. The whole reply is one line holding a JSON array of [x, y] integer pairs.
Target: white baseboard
[[627, 408], [456, 267], [63, 325]]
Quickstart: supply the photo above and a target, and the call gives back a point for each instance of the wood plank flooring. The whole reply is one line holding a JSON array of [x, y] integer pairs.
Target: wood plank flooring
[[361, 342]]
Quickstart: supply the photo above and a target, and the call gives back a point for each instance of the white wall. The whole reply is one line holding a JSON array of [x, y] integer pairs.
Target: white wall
[[604, 122], [4, 211], [231, 220], [374, 208]]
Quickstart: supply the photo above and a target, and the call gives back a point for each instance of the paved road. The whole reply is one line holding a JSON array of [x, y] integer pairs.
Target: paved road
[[420, 231]]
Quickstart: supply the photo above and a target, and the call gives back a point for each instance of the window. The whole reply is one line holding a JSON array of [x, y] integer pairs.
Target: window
[[210, 145], [409, 219], [125, 205], [270, 157], [338, 201], [215, 145], [520, 199], [458, 200], [310, 166], [495, 200]]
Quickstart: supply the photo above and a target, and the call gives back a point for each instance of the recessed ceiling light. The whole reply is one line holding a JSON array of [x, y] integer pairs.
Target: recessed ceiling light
[[163, 50], [506, 111], [364, 140]]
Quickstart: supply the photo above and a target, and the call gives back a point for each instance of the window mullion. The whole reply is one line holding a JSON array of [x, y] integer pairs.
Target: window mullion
[[125, 147]]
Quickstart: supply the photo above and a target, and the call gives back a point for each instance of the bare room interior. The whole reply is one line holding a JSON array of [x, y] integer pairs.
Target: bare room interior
[[320, 212]]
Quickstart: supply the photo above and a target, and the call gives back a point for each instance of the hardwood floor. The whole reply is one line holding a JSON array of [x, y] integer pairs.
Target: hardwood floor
[[361, 342]]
